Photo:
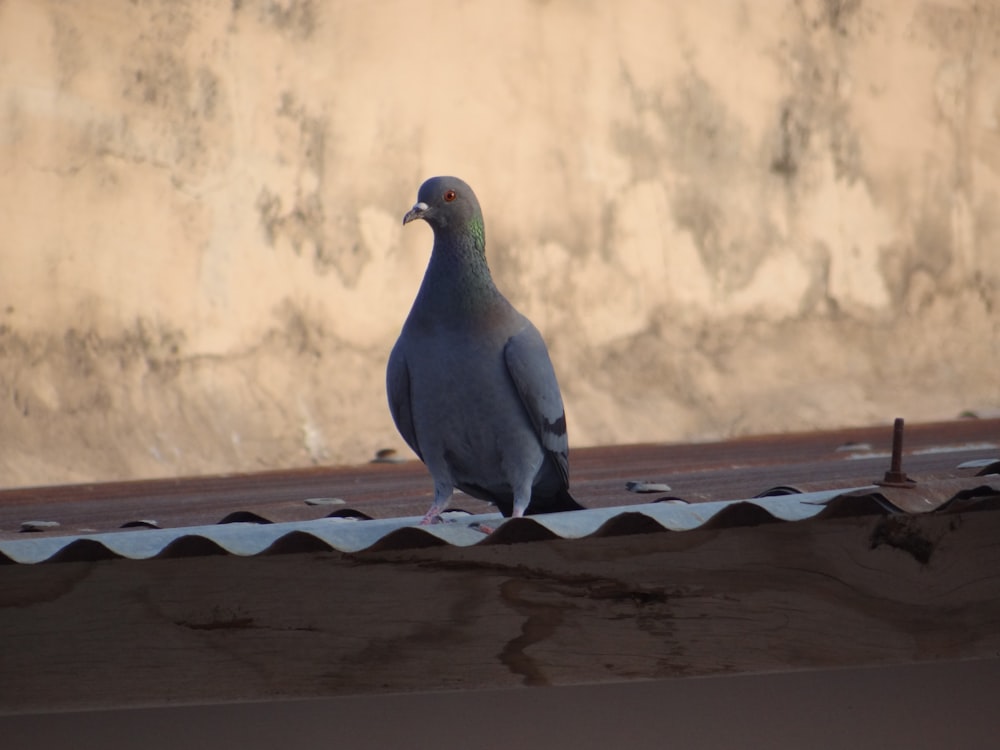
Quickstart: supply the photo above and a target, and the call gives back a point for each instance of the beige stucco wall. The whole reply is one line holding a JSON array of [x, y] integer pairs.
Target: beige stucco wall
[[725, 217]]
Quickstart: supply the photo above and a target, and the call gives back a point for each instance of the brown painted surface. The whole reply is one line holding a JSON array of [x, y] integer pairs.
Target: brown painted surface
[[729, 470], [775, 597]]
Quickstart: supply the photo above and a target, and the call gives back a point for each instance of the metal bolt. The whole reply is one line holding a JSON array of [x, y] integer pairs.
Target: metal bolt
[[896, 477]]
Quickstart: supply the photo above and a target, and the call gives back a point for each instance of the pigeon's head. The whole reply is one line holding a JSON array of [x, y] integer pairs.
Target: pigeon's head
[[447, 203]]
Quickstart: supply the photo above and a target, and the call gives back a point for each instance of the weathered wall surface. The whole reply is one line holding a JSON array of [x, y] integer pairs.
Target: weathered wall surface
[[724, 217]]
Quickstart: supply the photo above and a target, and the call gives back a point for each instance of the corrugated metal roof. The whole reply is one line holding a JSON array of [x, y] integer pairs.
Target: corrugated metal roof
[[350, 535], [742, 482], [789, 555]]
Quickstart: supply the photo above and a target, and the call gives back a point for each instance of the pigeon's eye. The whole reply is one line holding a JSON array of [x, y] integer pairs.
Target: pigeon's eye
[[449, 196]]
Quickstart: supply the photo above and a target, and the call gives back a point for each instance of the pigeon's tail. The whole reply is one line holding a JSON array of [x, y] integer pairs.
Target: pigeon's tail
[[561, 501], [554, 503]]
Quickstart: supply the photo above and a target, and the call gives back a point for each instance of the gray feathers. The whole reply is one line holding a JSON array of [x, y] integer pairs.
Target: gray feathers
[[470, 384]]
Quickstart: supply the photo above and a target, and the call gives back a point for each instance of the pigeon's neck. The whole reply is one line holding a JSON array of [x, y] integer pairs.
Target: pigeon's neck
[[458, 280]]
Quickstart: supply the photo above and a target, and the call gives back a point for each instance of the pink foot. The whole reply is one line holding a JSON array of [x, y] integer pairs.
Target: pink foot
[[430, 517]]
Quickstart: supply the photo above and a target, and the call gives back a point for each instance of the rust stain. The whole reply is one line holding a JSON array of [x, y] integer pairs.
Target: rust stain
[[541, 622], [904, 534]]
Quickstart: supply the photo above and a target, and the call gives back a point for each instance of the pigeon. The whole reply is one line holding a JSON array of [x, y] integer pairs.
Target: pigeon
[[470, 384]]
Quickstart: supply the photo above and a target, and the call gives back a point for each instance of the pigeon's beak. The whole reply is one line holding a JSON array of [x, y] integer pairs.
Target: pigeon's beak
[[417, 212]]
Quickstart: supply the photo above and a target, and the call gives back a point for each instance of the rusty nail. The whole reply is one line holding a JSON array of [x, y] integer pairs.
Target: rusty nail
[[896, 477]]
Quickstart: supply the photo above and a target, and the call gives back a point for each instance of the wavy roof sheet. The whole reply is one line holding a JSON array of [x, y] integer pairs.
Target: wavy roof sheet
[[348, 535], [810, 477]]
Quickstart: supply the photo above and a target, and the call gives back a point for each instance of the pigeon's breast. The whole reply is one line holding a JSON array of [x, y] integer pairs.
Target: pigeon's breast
[[466, 409]]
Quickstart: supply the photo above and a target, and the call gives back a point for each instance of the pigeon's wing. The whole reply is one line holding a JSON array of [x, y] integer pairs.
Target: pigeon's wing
[[397, 386], [531, 370]]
